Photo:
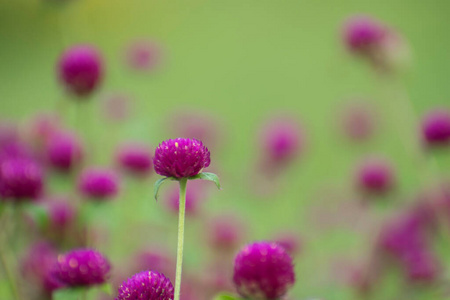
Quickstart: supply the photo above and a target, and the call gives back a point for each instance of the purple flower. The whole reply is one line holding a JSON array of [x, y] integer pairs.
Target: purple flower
[[64, 151], [375, 176], [181, 158], [146, 285], [158, 261], [99, 184], [263, 271], [290, 242], [61, 213], [363, 34], [436, 127], [82, 267], [135, 159], [144, 55], [80, 69], [20, 179]]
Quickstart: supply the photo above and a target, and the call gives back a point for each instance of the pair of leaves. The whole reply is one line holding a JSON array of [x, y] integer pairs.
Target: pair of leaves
[[205, 176]]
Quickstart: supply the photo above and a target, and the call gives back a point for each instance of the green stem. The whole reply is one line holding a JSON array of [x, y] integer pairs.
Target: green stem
[[181, 213]]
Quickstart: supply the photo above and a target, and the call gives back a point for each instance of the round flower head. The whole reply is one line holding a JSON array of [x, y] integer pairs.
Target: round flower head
[[181, 158], [80, 70], [64, 151], [362, 34], [143, 55], [436, 127], [99, 183], [135, 159], [146, 285], [20, 179], [82, 267], [282, 140], [263, 271], [375, 175]]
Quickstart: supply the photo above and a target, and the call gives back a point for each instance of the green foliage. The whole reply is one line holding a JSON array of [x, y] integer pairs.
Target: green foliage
[[226, 297], [208, 176]]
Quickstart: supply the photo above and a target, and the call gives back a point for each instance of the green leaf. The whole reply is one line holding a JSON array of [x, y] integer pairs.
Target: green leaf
[[68, 294], [226, 297], [39, 214], [207, 176], [158, 185], [106, 288]]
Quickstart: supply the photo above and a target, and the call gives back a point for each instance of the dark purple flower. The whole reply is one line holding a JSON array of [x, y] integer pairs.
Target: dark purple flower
[[82, 267], [98, 183], [436, 127], [64, 151], [181, 158], [80, 69], [146, 285], [20, 179], [363, 34], [135, 159], [375, 175], [263, 271]]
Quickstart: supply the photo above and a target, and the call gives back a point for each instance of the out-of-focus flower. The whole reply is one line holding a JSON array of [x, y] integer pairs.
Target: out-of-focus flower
[[21, 179], [99, 183], [40, 127], [375, 175], [357, 121], [181, 158], [289, 241], [155, 260], [144, 55], [80, 69], [117, 107], [195, 195], [64, 151], [147, 285], [263, 271], [135, 159], [82, 267], [436, 127], [225, 233]]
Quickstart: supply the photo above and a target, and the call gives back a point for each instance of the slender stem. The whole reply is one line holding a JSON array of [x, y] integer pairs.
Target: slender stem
[[181, 212], [6, 267]]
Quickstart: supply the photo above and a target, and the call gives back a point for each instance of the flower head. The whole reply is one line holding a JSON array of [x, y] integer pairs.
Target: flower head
[[263, 271], [225, 233], [82, 267], [80, 69], [375, 176], [436, 127], [144, 55], [181, 158], [146, 285], [98, 183], [20, 179], [135, 159], [363, 34], [64, 151]]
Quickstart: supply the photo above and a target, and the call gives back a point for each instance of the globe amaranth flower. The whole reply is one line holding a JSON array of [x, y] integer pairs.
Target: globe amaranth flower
[[375, 176], [135, 159], [181, 158], [64, 151], [82, 267], [80, 69], [20, 179], [436, 127], [146, 285], [263, 271], [98, 183], [363, 35]]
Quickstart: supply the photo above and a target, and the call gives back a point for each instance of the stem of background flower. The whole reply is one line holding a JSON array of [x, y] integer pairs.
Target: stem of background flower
[[181, 213], [4, 261]]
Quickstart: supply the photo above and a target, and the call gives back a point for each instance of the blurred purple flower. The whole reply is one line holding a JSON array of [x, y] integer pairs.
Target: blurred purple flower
[[80, 69], [263, 271], [158, 261], [358, 121], [195, 194], [144, 55], [225, 233], [135, 159], [436, 127], [375, 175], [82, 267], [148, 285], [362, 34], [290, 242], [181, 158], [64, 151], [99, 183], [117, 107], [20, 179]]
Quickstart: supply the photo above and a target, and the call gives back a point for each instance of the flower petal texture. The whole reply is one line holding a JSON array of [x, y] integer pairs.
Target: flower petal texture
[[146, 285]]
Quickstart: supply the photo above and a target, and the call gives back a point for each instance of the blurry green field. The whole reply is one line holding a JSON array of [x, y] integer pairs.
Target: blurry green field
[[240, 61]]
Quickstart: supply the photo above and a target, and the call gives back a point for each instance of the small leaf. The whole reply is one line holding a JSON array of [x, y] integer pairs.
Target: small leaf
[[226, 297], [106, 288], [68, 294], [208, 176], [158, 185]]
